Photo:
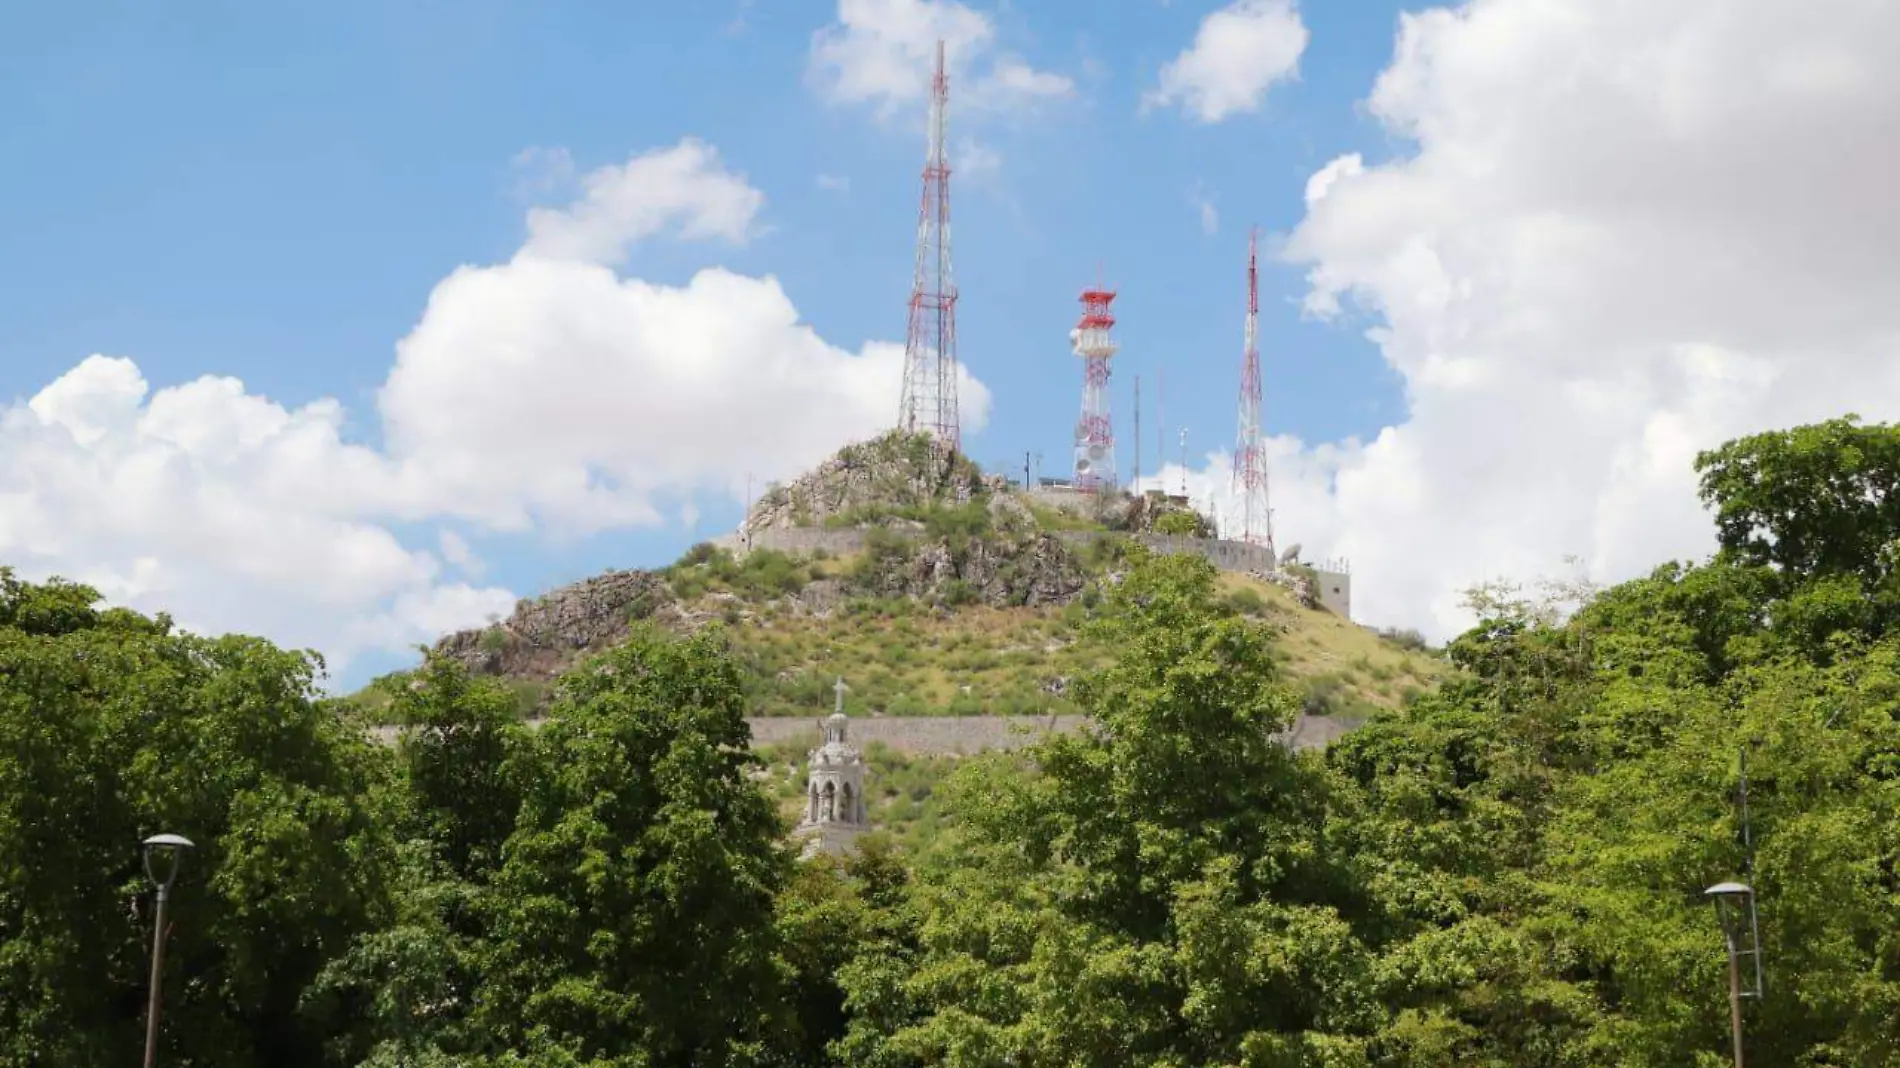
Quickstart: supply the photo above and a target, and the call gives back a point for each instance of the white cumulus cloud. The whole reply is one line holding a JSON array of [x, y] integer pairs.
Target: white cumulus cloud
[[880, 53], [229, 511], [682, 188], [1622, 233], [1239, 52], [545, 394]]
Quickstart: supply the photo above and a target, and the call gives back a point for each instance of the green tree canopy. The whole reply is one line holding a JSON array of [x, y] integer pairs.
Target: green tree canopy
[[1152, 891], [112, 728], [634, 909]]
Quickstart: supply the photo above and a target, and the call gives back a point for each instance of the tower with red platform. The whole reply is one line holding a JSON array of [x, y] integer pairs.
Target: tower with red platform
[[1094, 433]]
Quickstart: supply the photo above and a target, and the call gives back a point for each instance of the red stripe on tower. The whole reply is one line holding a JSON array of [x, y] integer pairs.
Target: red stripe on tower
[[1094, 434]]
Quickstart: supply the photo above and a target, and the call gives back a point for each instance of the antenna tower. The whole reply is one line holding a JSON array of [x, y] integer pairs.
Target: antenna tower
[[1094, 435], [929, 402], [1161, 423], [1136, 484], [1250, 460], [1184, 461]]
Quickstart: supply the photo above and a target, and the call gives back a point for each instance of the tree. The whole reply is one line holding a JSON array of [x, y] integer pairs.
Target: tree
[[112, 728], [1182, 523], [1152, 892], [464, 756], [634, 908], [404, 993], [1809, 501]]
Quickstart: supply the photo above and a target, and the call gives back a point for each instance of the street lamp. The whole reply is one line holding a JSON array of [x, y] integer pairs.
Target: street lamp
[[1735, 910], [167, 850]]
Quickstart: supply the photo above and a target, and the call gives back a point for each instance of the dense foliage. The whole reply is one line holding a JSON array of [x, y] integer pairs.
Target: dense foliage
[[1508, 872]]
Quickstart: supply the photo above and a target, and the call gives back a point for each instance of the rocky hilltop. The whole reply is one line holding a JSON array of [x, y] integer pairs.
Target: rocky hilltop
[[874, 481], [933, 587]]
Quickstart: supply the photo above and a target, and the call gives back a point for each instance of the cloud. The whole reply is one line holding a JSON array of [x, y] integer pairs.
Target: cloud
[[555, 394], [457, 552], [880, 53], [544, 394], [1623, 233], [975, 161], [226, 509], [1238, 53], [834, 183], [1204, 209], [539, 171], [682, 188]]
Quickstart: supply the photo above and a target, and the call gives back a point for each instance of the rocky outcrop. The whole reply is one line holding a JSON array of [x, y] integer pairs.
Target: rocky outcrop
[[998, 570], [888, 474], [1150, 513], [543, 635], [1298, 580]]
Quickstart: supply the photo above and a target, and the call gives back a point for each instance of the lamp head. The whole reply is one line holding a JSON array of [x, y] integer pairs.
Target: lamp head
[[169, 848], [1731, 899]]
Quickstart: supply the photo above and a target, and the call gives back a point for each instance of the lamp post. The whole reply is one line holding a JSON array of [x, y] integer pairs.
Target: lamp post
[[1734, 909], [170, 850]]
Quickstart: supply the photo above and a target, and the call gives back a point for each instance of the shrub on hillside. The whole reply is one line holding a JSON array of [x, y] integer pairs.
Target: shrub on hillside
[[1247, 602], [1180, 524]]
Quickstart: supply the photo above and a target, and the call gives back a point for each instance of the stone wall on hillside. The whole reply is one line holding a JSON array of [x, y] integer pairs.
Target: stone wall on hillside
[[838, 542], [960, 735], [923, 735]]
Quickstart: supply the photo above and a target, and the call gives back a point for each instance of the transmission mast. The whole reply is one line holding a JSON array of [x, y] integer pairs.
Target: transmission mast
[[929, 402], [1250, 460], [1094, 434]]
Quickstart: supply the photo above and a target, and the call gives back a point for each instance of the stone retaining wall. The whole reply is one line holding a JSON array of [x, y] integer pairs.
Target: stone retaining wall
[[923, 735], [838, 542], [956, 735]]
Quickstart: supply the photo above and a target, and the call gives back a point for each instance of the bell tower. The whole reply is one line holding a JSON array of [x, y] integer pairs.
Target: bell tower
[[836, 810]]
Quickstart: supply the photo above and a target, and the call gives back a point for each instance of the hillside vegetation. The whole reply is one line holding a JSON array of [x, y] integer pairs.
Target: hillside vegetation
[[962, 601], [1507, 872]]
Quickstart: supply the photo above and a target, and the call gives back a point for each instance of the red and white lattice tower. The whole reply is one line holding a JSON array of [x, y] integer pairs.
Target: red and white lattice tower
[[1094, 434], [929, 401], [1250, 458]]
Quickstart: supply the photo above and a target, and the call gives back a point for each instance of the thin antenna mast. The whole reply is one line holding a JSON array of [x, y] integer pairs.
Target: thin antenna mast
[[1250, 460], [1161, 422], [929, 401], [1184, 461]]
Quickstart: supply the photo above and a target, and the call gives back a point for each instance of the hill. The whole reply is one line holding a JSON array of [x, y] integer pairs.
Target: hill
[[933, 589]]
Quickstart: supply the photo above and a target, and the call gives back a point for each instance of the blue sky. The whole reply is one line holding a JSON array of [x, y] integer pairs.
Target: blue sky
[[273, 192], [270, 191]]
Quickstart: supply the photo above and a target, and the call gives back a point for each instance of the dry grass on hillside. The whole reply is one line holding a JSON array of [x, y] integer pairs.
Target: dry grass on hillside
[[904, 658]]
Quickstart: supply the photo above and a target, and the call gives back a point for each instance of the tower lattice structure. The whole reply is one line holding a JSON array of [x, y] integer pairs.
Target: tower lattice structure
[[1250, 458], [1094, 433], [929, 402]]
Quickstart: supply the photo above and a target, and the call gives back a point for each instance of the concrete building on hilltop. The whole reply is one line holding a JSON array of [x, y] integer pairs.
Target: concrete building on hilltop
[[836, 809]]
